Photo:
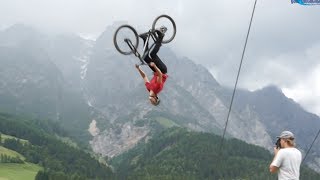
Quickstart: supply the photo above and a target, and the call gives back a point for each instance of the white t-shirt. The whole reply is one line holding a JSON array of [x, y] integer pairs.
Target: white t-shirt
[[288, 161]]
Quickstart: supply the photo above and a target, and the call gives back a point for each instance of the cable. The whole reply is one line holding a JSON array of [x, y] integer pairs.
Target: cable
[[310, 147], [235, 86]]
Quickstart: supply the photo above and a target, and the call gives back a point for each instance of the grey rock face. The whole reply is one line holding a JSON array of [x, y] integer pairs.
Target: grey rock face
[[113, 142]]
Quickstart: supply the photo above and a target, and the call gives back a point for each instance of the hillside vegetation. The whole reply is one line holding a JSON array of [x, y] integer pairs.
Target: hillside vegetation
[[59, 159], [179, 154], [25, 171], [173, 153]]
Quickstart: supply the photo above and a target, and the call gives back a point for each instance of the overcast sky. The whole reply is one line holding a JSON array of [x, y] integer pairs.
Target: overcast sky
[[283, 47]]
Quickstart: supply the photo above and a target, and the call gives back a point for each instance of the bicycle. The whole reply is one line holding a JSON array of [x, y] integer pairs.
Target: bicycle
[[131, 43]]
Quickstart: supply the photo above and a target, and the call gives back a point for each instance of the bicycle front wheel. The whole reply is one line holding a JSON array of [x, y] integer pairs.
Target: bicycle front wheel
[[126, 39], [168, 22]]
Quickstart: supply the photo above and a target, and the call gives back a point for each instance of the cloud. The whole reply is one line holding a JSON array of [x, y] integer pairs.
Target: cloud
[[306, 91], [296, 73], [282, 47]]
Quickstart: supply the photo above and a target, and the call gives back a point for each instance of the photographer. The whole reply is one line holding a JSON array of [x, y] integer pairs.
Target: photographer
[[287, 158]]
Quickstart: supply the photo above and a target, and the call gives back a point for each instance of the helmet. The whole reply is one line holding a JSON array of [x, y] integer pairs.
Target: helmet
[[156, 102]]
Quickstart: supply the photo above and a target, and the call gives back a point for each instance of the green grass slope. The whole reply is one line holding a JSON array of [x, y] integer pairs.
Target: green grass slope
[[10, 153], [4, 137], [16, 171], [13, 171]]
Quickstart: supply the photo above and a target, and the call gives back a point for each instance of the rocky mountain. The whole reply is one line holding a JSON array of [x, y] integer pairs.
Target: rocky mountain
[[88, 85], [191, 94], [33, 83], [279, 113]]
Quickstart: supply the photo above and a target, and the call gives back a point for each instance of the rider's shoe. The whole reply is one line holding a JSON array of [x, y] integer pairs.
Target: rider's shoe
[[159, 36]]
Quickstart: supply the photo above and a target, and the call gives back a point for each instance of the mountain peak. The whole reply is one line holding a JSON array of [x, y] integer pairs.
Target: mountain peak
[[20, 28], [270, 90], [18, 34]]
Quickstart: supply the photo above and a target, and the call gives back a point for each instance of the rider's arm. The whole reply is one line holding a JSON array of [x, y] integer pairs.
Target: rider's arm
[[143, 75], [158, 71]]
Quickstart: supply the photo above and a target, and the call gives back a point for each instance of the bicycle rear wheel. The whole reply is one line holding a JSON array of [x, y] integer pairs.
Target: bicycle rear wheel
[[168, 22], [123, 33]]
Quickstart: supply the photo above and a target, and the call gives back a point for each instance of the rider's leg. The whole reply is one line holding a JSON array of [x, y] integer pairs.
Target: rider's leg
[[155, 58], [152, 55], [159, 36], [148, 60], [154, 50], [160, 64]]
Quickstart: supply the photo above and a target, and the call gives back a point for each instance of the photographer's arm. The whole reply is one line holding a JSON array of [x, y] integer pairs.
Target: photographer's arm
[[272, 167]]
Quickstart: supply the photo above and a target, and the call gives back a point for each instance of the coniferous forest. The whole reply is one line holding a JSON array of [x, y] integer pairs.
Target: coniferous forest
[[173, 153], [177, 153], [58, 159]]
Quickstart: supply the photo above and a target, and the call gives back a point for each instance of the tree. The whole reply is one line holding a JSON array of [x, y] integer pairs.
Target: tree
[[42, 175]]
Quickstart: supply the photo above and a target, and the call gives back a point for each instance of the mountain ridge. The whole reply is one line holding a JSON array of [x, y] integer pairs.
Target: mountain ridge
[[112, 94]]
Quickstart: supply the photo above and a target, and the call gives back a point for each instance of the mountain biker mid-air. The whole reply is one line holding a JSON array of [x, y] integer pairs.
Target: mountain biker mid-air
[[155, 85]]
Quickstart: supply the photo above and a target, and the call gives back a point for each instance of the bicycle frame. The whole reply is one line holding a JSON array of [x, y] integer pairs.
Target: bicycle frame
[[145, 49]]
